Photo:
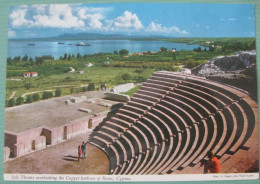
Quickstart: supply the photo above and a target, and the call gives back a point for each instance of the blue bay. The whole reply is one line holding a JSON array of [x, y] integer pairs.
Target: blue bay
[[51, 47]]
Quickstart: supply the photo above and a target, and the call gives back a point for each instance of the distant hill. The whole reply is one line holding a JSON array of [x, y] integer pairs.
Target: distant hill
[[96, 36]]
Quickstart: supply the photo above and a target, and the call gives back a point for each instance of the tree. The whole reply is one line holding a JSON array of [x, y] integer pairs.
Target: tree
[[174, 56], [36, 97], [47, 94], [211, 49], [91, 87], [115, 52], [69, 57], [17, 58], [123, 52], [19, 100], [27, 85], [9, 60], [79, 56], [65, 56], [29, 99], [58, 92], [25, 58], [11, 102], [163, 49]]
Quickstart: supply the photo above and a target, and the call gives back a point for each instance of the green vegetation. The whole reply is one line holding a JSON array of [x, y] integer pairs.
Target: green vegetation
[[111, 68], [132, 91], [47, 94], [91, 87], [11, 102], [19, 100], [58, 92], [29, 99], [36, 97]]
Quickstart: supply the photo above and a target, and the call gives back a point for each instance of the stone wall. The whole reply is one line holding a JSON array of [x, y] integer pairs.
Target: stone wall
[[10, 139], [39, 143], [6, 153], [117, 97], [19, 144]]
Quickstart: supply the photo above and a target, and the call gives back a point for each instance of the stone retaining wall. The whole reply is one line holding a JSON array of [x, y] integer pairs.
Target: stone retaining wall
[[19, 144], [117, 97]]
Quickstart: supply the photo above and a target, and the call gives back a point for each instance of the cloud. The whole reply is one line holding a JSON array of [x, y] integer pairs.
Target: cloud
[[17, 17], [93, 20], [127, 21], [232, 19], [80, 17], [11, 33], [58, 16], [158, 28], [207, 27], [39, 8]]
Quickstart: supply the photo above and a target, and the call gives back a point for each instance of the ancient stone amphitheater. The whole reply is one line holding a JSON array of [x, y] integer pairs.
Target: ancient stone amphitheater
[[172, 121]]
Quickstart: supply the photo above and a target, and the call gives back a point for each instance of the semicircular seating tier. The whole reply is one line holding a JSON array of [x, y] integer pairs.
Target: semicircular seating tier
[[171, 123]]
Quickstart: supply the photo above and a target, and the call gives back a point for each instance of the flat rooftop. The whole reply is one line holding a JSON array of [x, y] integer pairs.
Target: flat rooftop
[[53, 112]]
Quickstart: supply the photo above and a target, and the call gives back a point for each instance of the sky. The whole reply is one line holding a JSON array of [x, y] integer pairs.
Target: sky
[[142, 19]]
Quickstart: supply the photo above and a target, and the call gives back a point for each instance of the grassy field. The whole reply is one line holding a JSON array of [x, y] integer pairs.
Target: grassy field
[[68, 81]]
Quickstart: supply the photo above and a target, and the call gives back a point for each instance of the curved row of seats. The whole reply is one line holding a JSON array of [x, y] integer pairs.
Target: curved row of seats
[[171, 123]]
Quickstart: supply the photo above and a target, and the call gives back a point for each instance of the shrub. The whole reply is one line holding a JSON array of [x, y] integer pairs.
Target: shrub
[[11, 102], [19, 100], [84, 89], [47, 94], [29, 99], [91, 87], [58, 92], [140, 79], [123, 52], [126, 76], [36, 97]]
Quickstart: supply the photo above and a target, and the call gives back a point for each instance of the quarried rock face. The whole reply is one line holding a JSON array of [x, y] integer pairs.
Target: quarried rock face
[[226, 64]]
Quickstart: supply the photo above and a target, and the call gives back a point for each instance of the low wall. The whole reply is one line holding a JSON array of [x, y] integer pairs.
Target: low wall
[[7, 152], [23, 148], [10, 139], [117, 97], [39, 143]]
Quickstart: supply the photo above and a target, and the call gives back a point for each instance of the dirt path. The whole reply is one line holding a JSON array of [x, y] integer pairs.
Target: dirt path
[[12, 95]]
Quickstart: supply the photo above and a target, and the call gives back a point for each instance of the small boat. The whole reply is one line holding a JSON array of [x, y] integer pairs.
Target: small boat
[[60, 43], [82, 44], [31, 44]]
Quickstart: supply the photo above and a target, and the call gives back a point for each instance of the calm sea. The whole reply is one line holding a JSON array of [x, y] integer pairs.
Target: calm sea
[[51, 47]]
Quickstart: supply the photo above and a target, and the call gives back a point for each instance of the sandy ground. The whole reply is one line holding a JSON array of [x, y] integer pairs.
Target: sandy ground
[[61, 159]]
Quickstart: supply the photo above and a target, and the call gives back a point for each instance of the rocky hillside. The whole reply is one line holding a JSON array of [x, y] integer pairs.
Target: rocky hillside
[[229, 64], [238, 70]]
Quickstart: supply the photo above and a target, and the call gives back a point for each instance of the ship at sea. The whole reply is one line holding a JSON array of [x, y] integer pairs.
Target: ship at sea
[[82, 44]]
